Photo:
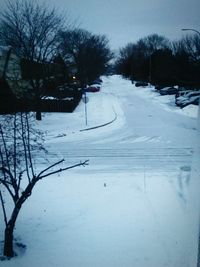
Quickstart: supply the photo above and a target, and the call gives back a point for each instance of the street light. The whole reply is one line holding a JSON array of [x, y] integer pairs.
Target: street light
[[198, 118], [191, 30]]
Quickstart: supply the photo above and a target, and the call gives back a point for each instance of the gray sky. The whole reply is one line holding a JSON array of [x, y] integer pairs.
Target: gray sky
[[126, 21]]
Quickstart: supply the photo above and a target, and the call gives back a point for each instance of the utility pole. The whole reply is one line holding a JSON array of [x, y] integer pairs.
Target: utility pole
[[150, 69], [86, 121], [85, 100]]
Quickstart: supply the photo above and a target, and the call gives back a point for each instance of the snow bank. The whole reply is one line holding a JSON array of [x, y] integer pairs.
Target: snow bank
[[190, 111]]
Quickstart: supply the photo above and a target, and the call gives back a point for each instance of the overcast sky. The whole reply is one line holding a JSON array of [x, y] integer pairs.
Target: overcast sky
[[126, 21]]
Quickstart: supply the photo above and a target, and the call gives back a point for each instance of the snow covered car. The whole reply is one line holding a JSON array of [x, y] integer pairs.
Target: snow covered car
[[181, 95], [168, 91], [189, 98]]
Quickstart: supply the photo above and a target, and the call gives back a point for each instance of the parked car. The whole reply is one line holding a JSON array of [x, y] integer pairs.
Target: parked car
[[159, 87], [138, 84], [180, 95], [187, 98], [92, 88], [168, 91]]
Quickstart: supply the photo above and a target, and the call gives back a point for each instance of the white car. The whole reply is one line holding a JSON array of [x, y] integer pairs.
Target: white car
[[187, 98]]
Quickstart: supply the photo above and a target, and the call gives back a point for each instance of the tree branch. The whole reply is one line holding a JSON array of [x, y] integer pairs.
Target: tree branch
[[53, 165], [15, 147], [28, 141], [3, 208], [5, 170], [62, 169], [23, 130], [5, 147], [6, 184]]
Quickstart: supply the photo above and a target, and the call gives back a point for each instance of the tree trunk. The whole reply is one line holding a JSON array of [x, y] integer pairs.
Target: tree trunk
[[38, 109], [8, 234], [8, 241], [8, 237], [38, 115]]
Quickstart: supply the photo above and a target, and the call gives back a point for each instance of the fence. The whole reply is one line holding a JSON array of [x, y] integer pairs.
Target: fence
[[8, 105], [69, 105]]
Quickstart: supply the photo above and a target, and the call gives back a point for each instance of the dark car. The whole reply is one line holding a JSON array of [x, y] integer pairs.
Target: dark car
[[143, 84], [159, 87], [168, 91], [92, 88]]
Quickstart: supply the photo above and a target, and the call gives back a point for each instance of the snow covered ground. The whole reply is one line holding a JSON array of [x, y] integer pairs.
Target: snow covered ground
[[135, 204]]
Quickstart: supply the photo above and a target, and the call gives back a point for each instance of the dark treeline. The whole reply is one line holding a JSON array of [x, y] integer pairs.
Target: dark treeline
[[156, 60]]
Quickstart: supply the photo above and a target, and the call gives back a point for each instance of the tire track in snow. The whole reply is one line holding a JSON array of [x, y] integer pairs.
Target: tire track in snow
[[165, 159]]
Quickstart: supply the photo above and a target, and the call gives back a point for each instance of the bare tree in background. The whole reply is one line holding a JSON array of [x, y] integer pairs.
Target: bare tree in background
[[31, 29], [190, 45], [152, 43], [135, 59], [19, 142], [124, 63], [89, 53], [187, 53]]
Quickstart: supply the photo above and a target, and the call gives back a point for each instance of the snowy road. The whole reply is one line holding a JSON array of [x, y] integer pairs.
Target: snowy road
[[137, 202], [132, 159], [148, 134]]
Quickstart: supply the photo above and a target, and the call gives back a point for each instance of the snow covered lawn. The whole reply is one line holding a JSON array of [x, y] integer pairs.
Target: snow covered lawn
[[136, 204]]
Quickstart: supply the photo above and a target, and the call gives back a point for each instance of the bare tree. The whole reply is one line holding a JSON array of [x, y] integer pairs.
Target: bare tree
[[89, 53], [31, 29], [124, 64], [19, 142], [190, 45], [134, 60], [187, 55], [153, 43]]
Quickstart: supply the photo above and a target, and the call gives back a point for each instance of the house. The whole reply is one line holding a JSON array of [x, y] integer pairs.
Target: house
[[10, 73], [16, 92]]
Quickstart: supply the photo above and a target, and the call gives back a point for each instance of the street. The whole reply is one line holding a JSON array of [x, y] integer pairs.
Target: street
[[135, 204]]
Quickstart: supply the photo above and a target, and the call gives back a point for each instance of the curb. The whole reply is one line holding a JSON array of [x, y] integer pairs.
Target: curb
[[102, 125]]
